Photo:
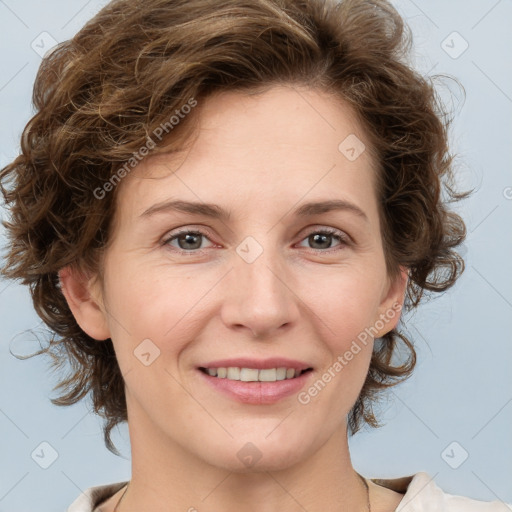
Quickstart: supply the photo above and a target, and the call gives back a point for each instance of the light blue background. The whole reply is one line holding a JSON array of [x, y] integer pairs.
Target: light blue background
[[462, 388]]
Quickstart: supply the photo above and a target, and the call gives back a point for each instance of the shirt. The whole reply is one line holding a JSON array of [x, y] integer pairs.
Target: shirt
[[421, 494]]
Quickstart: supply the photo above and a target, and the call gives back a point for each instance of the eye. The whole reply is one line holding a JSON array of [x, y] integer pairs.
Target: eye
[[190, 241], [323, 238], [187, 240]]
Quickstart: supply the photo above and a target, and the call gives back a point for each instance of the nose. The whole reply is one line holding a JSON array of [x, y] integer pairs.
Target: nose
[[259, 296]]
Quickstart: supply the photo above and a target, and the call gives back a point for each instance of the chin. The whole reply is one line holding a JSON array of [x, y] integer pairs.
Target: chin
[[257, 454]]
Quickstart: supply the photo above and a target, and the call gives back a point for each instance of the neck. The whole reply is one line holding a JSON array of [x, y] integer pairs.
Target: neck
[[167, 477]]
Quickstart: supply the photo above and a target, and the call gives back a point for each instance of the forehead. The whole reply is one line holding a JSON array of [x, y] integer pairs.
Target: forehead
[[283, 144]]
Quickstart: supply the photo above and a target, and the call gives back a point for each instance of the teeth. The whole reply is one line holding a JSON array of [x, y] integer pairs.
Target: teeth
[[253, 374], [281, 374], [268, 375], [233, 373], [248, 375]]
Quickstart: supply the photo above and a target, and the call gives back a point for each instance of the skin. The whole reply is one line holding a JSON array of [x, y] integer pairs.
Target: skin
[[259, 157]]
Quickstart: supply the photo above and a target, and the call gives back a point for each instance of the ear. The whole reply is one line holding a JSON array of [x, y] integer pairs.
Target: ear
[[392, 303], [84, 299]]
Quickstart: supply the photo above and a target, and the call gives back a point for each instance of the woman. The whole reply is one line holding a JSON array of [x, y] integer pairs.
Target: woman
[[221, 209]]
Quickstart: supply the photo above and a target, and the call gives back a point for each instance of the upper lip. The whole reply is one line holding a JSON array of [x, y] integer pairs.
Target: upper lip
[[248, 362]]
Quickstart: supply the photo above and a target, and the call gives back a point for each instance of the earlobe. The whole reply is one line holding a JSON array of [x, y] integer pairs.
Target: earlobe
[[85, 305], [392, 304]]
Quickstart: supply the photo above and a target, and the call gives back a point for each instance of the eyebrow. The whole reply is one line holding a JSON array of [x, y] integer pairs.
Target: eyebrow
[[216, 212]]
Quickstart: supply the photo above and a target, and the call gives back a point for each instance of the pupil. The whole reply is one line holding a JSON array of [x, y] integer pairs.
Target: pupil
[[321, 236], [189, 239]]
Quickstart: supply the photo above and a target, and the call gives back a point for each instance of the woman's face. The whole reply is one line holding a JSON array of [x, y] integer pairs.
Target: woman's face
[[259, 285]]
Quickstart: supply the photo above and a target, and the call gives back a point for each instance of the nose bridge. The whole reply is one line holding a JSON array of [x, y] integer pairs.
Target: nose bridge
[[260, 298], [261, 274]]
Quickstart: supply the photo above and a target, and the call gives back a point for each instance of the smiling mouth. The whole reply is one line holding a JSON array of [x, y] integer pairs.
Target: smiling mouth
[[255, 374]]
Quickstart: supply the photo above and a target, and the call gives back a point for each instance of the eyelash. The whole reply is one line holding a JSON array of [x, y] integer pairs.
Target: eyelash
[[339, 235]]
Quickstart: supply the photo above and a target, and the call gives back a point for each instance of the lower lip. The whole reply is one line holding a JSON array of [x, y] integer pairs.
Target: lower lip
[[259, 393]]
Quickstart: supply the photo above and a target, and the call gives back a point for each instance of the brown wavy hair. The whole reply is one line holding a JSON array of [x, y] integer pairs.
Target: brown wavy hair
[[99, 96]]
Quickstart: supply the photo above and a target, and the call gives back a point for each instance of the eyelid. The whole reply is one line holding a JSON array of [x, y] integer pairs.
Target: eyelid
[[329, 229]]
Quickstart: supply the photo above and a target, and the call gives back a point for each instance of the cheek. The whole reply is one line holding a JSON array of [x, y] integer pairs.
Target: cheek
[[345, 311], [344, 316], [345, 303], [156, 303]]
